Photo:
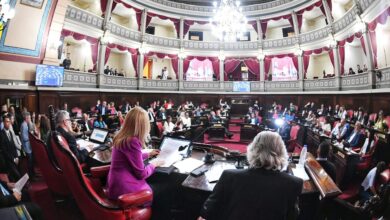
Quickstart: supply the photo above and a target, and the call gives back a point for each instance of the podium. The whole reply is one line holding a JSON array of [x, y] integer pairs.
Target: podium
[[248, 132], [217, 132]]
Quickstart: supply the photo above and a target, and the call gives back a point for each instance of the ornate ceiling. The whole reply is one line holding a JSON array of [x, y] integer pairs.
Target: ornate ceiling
[[210, 2]]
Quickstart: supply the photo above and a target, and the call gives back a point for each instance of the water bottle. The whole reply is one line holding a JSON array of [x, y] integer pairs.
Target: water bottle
[[302, 157]]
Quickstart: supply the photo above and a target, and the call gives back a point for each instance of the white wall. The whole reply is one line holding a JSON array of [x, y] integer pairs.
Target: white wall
[[313, 24], [274, 33], [159, 64], [129, 22], [80, 52], [164, 31], [317, 64], [92, 6], [122, 62], [354, 55]]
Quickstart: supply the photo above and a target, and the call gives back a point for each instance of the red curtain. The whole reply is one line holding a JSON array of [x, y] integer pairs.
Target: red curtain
[[138, 12], [189, 23], [363, 45], [264, 24], [295, 62], [381, 19], [342, 55], [229, 66], [186, 65], [134, 60], [306, 61], [309, 8], [103, 6], [175, 66], [253, 66], [107, 55], [254, 25], [267, 65], [215, 62], [331, 56]]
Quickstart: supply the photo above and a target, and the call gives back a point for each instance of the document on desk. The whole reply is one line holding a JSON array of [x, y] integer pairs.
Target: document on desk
[[20, 184], [87, 145], [300, 172], [188, 165], [215, 172]]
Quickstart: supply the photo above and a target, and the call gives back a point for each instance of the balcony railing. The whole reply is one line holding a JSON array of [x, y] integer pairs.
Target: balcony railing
[[250, 45], [277, 43], [84, 17], [201, 86], [162, 41], [201, 45], [346, 20], [79, 79], [320, 84], [118, 82], [124, 32], [354, 81], [169, 85], [315, 35], [277, 86], [383, 78]]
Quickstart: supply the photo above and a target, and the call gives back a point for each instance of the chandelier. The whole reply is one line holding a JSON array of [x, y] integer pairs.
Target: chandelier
[[229, 22], [6, 13]]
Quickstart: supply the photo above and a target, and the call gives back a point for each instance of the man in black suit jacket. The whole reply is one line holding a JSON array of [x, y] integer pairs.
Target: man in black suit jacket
[[261, 192], [8, 150]]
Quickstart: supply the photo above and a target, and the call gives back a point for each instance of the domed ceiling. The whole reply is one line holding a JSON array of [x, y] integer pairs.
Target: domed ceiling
[[210, 2]]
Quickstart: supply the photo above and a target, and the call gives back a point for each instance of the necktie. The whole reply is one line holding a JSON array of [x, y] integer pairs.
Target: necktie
[[5, 191]]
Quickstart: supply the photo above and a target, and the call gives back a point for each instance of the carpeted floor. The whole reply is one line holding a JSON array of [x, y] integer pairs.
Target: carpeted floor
[[233, 143]]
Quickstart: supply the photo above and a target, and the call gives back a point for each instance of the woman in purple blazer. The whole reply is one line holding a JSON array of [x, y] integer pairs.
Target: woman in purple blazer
[[127, 172]]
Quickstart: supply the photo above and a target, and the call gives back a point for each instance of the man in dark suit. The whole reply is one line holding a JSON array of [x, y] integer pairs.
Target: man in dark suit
[[67, 62], [323, 153], [162, 115], [103, 110], [261, 192], [353, 140], [85, 123], [8, 150], [126, 108]]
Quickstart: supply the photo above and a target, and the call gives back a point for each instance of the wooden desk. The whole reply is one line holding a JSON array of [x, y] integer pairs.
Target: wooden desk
[[345, 163], [248, 132], [217, 133]]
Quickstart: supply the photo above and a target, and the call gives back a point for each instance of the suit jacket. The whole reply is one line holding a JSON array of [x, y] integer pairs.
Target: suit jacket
[[355, 140], [253, 194], [100, 109], [9, 200], [8, 147], [81, 155]]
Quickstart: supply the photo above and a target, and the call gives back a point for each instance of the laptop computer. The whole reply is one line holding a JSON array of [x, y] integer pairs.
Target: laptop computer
[[95, 141]]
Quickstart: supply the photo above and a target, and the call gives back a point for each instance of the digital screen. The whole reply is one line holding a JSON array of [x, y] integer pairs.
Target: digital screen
[[241, 86], [200, 70], [98, 135], [283, 69], [49, 75]]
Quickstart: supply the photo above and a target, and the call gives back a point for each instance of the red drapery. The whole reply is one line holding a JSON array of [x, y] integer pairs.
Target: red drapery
[[133, 52], [254, 25], [253, 66], [214, 62], [103, 6], [229, 66], [309, 8], [175, 66], [138, 12], [342, 48], [93, 41], [381, 19], [107, 55], [331, 56], [268, 59], [176, 22], [189, 23], [307, 55], [264, 23]]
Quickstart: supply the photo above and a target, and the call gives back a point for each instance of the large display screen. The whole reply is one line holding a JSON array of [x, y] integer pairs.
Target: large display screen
[[241, 86], [283, 69], [49, 75], [200, 71]]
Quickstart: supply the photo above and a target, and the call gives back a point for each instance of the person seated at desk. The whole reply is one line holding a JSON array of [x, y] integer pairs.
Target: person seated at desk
[[214, 118], [99, 123], [342, 113], [322, 158], [362, 117], [186, 120], [168, 125], [325, 126], [162, 115], [260, 192], [128, 173], [340, 130], [289, 116], [354, 138], [368, 145], [64, 127], [253, 120], [311, 118], [380, 123], [8, 198], [321, 111], [367, 188], [85, 123]]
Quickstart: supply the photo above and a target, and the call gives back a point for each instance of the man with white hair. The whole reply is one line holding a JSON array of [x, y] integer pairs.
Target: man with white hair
[[260, 192]]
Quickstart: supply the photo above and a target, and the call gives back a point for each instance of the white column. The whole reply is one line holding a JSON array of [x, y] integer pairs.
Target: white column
[[181, 35], [295, 23], [262, 74], [140, 70], [328, 12], [370, 58], [221, 73], [337, 66], [181, 73], [259, 30], [301, 74], [107, 14], [100, 62]]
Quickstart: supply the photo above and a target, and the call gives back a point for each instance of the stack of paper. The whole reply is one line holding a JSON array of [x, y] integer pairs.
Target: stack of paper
[[217, 169], [188, 165], [300, 173]]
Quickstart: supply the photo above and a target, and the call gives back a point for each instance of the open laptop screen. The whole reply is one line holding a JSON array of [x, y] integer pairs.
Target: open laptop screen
[[98, 135]]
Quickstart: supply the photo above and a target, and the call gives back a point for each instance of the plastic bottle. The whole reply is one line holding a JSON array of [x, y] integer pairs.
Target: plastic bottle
[[302, 157]]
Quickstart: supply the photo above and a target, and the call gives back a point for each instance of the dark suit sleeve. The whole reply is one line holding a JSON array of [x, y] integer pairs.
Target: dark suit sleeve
[[6, 201], [293, 209], [80, 155], [213, 204]]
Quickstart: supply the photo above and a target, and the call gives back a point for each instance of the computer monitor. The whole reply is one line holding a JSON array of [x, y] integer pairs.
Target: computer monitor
[[49, 75], [99, 135]]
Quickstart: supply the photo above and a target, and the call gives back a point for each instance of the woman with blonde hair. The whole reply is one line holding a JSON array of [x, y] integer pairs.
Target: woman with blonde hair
[[261, 192]]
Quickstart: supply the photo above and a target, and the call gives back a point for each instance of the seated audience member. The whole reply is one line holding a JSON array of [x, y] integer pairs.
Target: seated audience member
[[186, 120], [214, 118], [368, 144], [8, 198], [99, 123], [322, 158], [128, 173], [321, 111], [64, 127], [162, 114], [362, 117], [9, 159], [260, 192], [351, 72], [178, 126], [168, 125], [365, 69], [340, 130], [325, 126], [354, 138], [342, 113], [289, 116], [85, 123], [107, 70], [75, 127], [329, 111], [25, 128], [358, 69], [102, 109], [126, 107], [44, 128], [367, 188], [380, 123], [253, 120], [112, 109]]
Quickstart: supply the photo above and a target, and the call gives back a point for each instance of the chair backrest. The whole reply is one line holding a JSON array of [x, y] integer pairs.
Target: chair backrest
[[350, 113], [93, 204], [160, 128], [294, 132], [372, 117], [53, 175], [387, 119]]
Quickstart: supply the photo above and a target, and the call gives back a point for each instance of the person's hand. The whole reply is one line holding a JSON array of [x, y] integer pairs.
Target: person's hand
[[157, 163], [154, 152], [17, 196], [200, 218], [11, 185]]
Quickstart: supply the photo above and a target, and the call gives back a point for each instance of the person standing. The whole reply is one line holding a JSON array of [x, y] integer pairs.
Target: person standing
[[164, 73]]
